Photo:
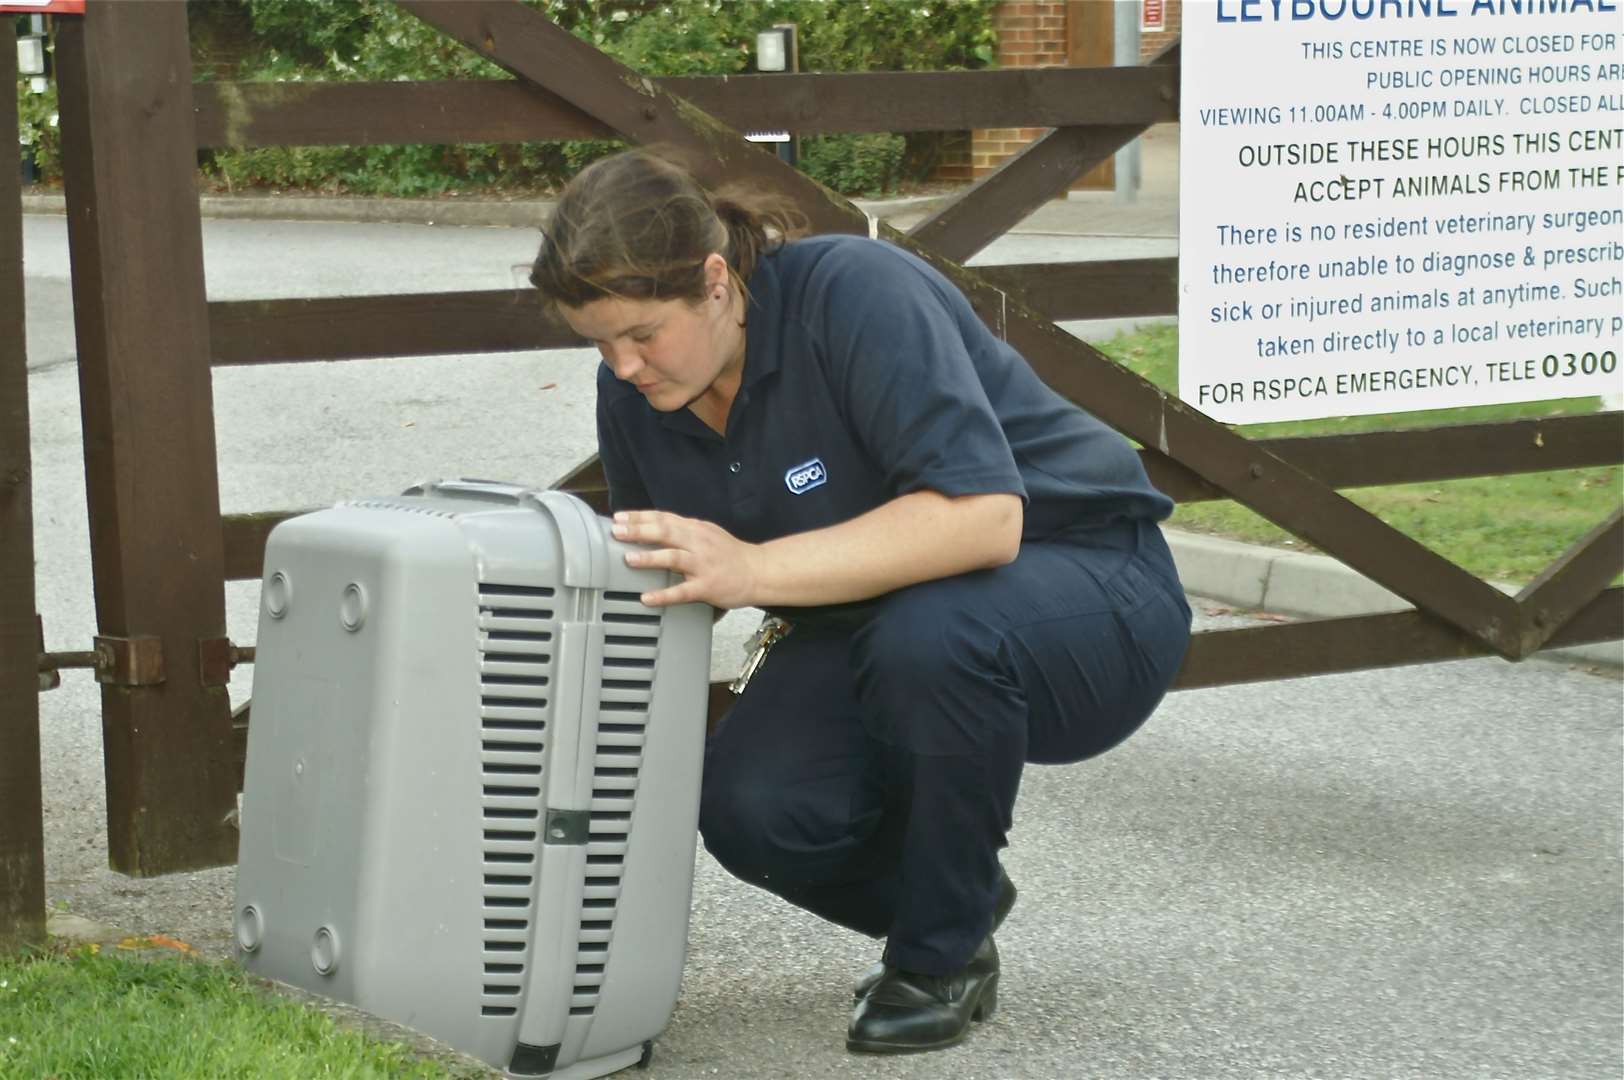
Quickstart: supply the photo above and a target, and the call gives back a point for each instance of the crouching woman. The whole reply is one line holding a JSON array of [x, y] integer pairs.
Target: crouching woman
[[970, 566]]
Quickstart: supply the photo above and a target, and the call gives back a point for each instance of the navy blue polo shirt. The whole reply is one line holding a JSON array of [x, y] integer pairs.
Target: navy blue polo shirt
[[867, 375]]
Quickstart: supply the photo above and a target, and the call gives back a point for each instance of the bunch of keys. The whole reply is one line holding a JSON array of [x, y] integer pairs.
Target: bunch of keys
[[771, 631]]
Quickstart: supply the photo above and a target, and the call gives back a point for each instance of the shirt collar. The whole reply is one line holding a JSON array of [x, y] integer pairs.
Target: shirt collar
[[764, 324], [685, 422]]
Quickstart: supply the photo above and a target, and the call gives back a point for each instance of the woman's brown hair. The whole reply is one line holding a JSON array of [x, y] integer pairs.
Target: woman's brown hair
[[636, 226]]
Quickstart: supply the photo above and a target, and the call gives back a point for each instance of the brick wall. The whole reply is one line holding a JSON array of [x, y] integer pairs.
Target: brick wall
[[1032, 33], [1151, 44]]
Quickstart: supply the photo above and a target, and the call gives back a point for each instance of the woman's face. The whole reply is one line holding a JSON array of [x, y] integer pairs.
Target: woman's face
[[672, 351]]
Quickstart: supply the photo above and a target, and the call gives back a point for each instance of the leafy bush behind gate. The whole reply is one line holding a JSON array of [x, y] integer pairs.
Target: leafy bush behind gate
[[373, 40]]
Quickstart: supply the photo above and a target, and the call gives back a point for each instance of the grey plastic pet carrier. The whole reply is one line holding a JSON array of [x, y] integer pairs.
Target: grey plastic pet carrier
[[472, 785]]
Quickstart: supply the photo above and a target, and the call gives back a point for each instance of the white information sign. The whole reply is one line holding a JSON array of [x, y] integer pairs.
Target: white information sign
[[1390, 205]]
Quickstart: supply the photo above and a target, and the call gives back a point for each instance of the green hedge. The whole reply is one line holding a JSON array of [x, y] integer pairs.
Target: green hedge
[[373, 40], [854, 164], [310, 40], [37, 130]]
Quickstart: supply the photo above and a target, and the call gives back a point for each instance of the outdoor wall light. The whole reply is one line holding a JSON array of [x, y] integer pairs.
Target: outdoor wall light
[[777, 53], [30, 56], [772, 49]]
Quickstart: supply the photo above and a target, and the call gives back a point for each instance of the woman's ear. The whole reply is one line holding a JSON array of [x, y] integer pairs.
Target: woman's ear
[[716, 276]]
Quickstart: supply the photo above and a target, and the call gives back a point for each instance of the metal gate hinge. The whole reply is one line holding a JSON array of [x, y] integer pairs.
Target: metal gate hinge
[[49, 679], [215, 659], [129, 661], [138, 660]]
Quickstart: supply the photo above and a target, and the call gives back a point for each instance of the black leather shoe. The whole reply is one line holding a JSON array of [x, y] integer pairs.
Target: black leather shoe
[[1000, 912], [905, 1013]]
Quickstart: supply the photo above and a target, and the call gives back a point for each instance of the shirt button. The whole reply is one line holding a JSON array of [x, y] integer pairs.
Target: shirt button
[[735, 467]]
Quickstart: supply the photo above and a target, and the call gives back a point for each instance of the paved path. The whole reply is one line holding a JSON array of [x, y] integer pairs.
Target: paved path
[[1411, 872], [1407, 873]]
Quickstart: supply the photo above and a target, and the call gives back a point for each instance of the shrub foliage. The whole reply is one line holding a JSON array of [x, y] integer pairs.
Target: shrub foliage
[[310, 40]]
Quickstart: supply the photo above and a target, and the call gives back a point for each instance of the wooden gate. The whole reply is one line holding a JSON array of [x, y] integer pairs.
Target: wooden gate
[[22, 858], [146, 342]]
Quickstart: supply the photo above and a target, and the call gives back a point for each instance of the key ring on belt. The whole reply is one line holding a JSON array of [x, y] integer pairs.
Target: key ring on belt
[[771, 631]]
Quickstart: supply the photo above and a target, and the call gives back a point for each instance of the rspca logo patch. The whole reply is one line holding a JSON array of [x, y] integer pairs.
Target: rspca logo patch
[[802, 478]]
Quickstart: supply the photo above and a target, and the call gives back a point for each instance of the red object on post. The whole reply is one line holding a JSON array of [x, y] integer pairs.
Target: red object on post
[[1153, 16], [43, 7]]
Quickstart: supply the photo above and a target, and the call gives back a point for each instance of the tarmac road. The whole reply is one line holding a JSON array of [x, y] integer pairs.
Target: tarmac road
[[1413, 872]]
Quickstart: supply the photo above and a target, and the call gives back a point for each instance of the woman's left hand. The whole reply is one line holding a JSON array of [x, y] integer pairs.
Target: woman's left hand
[[717, 568]]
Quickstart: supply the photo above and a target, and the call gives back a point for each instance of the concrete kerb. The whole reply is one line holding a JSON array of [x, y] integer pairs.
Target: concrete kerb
[[467, 213], [78, 930], [1242, 575], [450, 211]]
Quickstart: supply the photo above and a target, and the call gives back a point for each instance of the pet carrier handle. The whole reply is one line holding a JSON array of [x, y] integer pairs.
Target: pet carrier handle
[[582, 538], [493, 491]]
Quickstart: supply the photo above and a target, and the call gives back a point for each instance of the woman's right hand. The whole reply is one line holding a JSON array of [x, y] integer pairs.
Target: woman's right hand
[[717, 568]]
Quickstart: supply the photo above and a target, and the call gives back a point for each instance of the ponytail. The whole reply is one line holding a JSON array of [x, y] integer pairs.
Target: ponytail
[[636, 226]]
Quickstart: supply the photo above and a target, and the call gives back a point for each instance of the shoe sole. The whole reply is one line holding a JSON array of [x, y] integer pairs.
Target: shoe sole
[[986, 1005]]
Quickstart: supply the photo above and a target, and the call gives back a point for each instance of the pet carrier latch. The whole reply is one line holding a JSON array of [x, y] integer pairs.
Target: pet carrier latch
[[534, 1060], [568, 826]]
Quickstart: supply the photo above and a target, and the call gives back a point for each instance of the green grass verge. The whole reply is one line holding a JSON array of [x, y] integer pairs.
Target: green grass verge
[[84, 1014], [1505, 528]]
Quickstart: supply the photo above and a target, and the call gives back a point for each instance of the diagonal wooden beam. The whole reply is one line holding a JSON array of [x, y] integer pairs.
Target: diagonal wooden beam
[[1260, 480], [531, 47], [1005, 197], [1572, 581]]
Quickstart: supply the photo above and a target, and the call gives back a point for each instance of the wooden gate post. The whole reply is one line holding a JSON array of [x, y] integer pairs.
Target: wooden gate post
[[136, 243], [22, 853]]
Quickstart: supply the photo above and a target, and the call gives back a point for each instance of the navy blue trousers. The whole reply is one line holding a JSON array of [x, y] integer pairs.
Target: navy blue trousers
[[868, 773]]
